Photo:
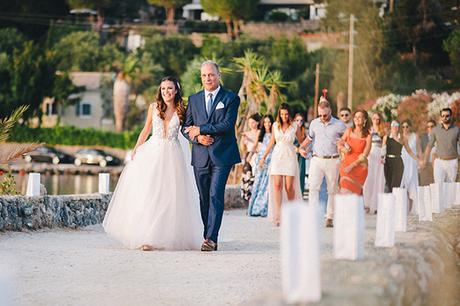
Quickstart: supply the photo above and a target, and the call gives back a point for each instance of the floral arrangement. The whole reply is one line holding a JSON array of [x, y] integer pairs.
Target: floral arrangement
[[441, 101], [420, 105], [387, 106]]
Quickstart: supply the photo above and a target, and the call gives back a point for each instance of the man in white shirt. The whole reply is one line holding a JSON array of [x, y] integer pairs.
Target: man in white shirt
[[323, 133]]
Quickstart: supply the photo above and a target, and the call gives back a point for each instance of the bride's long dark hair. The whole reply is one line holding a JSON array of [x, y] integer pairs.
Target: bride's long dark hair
[[178, 101]]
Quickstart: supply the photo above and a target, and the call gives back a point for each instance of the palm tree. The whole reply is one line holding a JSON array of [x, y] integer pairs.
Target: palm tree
[[275, 83], [260, 88], [248, 65], [9, 152], [121, 92]]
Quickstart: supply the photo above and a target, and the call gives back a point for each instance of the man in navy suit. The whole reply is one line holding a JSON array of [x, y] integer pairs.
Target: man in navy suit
[[210, 126]]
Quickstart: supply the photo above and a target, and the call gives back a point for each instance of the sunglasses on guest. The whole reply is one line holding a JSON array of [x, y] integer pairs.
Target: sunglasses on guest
[[405, 126], [445, 116], [344, 115]]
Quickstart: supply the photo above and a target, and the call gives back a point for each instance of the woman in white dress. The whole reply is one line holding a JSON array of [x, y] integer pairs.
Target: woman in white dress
[[284, 168], [375, 182], [410, 175], [156, 204]]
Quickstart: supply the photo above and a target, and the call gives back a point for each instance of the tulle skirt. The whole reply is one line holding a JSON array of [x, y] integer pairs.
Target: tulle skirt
[[156, 200]]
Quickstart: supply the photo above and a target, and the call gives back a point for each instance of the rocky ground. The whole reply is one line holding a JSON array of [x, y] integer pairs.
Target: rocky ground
[[85, 267]]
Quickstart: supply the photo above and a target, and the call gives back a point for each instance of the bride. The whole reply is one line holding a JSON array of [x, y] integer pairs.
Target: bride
[[156, 204]]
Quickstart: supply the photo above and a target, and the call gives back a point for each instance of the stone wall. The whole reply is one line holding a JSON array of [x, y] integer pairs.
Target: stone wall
[[19, 213]]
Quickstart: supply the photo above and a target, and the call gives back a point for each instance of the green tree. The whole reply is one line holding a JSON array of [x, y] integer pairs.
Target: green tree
[[369, 43], [171, 52], [231, 11], [28, 79], [83, 51], [170, 7], [452, 46], [418, 27], [78, 51]]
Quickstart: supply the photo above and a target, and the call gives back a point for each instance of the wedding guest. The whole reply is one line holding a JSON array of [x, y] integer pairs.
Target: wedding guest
[[447, 137], [392, 148], [355, 144], [323, 133], [300, 119], [258, 204], [345, 116], [249, 145], [410, 175], [426, 174], [375, 182], [284, 169]]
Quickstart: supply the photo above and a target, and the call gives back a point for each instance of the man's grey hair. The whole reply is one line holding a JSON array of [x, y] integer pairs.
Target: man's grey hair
[[209, 62]]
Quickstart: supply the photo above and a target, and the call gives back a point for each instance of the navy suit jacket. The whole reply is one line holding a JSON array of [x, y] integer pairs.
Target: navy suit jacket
[[220, 124]]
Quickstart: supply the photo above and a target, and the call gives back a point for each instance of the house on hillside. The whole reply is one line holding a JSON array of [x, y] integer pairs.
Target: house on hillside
[[194, 10], [89, 112], [307, 8]]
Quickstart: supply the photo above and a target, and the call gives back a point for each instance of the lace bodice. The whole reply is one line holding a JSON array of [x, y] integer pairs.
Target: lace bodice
[[158, 127], [287, 137]]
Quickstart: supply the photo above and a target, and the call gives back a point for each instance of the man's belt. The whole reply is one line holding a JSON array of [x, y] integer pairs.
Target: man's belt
[[327, 156], [447, 158]]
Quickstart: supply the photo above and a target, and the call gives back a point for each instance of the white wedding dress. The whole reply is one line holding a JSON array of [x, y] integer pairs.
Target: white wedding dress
[[156, 200]]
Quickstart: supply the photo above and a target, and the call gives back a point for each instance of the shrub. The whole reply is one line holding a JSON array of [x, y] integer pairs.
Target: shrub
[[70, 135]]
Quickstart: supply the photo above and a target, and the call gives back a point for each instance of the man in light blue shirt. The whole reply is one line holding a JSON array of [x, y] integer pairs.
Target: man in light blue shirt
[[324, 132]]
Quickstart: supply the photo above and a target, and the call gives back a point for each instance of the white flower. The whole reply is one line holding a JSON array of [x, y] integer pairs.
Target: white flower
[[441, 101], [386, 104], [420, 92]]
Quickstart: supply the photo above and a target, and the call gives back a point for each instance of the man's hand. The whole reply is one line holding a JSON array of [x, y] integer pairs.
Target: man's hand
[[205, 140], [303, 152], [421, 164], [193, 131]]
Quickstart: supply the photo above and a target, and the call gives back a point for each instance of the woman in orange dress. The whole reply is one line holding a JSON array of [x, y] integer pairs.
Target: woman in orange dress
[[355, 146]]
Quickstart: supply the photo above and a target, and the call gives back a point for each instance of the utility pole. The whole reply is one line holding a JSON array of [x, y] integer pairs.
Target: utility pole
[[315, 103], [391, 8], [350, 62]]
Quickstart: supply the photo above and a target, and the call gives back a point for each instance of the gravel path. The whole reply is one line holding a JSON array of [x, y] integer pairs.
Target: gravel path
[[85, 267]]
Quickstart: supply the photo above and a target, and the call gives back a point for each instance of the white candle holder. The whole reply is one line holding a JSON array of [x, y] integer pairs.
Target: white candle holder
[[300, 254], [33, 184], [104, 183]]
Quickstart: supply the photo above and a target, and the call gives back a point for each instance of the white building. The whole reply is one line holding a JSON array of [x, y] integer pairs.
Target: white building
[[88, 112], [194, 10]]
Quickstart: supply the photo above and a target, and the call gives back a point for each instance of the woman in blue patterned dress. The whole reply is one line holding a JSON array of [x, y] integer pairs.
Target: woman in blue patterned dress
[[258, 203]]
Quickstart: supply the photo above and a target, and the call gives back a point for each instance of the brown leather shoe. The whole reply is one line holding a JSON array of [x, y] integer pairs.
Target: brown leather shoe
[[209, 246], [147, 248], [329, 223]]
